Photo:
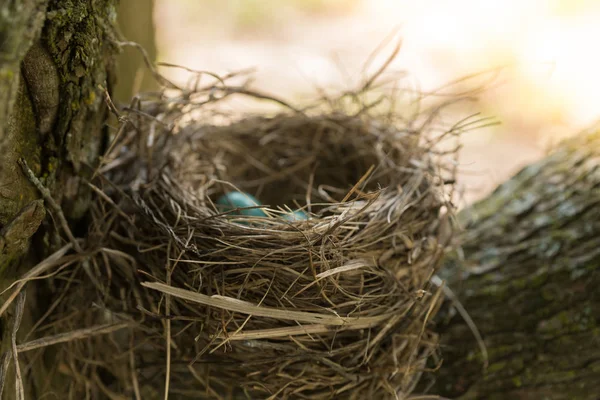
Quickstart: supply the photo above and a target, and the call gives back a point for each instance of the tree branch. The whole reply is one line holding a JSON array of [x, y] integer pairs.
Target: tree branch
[[529, 280]]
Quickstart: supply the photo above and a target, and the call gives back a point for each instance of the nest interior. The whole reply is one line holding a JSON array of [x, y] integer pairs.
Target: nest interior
[[179, 296], [294, 160]]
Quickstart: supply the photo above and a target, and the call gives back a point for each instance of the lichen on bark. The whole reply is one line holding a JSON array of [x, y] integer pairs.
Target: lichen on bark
[[80, 38], [16, 192], [20, 26], [529, 281], [56, 58]]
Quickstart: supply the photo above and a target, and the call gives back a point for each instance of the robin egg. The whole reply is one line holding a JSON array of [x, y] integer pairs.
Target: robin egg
[[297, 215], [238, 200]]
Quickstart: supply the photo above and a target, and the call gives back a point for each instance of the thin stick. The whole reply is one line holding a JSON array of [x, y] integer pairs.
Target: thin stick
[[110, 201], [151, 66], [168, 327], [194, 71], [15, 352], [357, 184], [109, 102], [73, 335], [134, 379], [436, 280], [48, 197], [259, 95], [4, 369], [42, 267], [383, 67]]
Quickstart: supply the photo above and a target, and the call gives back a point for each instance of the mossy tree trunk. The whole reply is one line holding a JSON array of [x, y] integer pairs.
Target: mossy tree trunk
[[530, 280], [56, 61]]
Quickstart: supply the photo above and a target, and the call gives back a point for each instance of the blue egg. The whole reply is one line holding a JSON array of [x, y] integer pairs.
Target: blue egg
[[297, 215], [233, 200]]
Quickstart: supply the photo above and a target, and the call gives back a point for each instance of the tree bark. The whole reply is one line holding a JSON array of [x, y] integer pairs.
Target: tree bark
[[56, 61], [529, 280], [20, 27]]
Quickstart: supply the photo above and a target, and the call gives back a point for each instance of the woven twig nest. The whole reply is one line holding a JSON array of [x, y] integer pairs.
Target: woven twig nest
[[219, 304]]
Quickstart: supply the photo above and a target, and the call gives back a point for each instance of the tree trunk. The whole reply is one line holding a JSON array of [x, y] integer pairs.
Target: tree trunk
[[529, 275], [56, 61], [529, 281]]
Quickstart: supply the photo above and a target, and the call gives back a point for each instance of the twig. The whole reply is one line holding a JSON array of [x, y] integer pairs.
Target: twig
[[15, 352], [382, 68], [73, 335], [110, 201], [259, 95], [134, 378], [110, 103], [436, 280], [4, 369], [194, 71], [168, 326], [40, 268], [159, 77], [48, 198]]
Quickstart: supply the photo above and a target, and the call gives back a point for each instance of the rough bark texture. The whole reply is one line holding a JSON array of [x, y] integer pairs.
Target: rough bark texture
[[56, 59], [20, 26], [529, 280]]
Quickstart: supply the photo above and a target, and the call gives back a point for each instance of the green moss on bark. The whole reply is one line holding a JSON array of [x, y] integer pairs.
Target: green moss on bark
[[529, 281], [52, 112], [15, 190], [80, 38]]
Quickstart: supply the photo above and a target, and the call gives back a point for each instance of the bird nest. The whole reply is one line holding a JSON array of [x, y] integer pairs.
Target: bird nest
[[177, 293]]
